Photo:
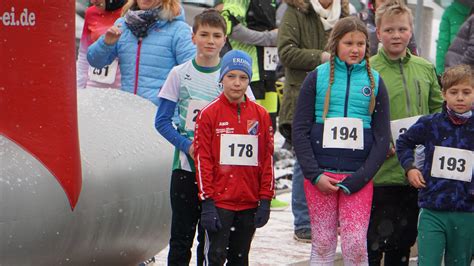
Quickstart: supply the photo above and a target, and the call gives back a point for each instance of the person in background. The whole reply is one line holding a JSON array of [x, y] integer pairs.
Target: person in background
[[461, 50], [302, 36], [368, 17], [341, 134], [452, 19], [251, 27], [446, 181], [149, 40], [413, 90], [233, 145], [98, 18]]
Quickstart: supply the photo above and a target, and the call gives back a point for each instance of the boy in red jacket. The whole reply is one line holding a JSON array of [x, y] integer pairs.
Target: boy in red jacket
[[234, 165]]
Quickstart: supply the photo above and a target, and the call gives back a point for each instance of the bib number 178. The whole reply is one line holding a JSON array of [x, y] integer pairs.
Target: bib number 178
[[238, 149]]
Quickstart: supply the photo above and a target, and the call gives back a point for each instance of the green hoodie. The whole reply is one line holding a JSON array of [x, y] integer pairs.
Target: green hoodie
[[413, 90]]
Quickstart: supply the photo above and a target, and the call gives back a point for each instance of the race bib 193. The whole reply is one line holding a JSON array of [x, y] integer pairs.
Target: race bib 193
[[104, 75], [237, 149], [343, 133], [452, 163], [193, 110]]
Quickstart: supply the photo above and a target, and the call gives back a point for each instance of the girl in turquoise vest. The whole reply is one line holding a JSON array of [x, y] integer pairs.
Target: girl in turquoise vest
[[341, 136]]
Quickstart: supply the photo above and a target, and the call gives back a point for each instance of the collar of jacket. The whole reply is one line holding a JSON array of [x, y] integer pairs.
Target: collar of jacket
[[243, 104], [403, 60], [342, 66]]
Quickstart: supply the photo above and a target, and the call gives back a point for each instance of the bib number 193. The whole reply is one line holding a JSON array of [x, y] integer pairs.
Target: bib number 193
[[452, 163]]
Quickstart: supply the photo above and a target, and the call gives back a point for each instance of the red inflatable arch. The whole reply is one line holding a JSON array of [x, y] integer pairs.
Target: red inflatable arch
[[38, 108]]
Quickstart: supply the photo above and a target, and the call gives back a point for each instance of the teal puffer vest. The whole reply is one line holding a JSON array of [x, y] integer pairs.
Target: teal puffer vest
[[350, 92]]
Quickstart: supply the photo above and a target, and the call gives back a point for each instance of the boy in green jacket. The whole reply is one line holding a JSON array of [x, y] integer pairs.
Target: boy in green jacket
[[413, 91]]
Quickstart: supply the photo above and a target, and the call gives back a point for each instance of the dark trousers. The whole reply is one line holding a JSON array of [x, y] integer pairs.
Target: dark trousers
[[393, 225], [186, 212], [232, 241]]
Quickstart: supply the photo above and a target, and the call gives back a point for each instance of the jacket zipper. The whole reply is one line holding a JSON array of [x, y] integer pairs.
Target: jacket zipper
[[137, 66], [418, 90], [349, 71], [407, 93], [238, 112]]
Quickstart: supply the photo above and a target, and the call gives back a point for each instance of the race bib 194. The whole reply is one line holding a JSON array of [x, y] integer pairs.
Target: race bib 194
[[452, 163], [237, 149], [343, 133]]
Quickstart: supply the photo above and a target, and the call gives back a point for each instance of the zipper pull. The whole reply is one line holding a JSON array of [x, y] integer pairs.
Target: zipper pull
[[238, 112]]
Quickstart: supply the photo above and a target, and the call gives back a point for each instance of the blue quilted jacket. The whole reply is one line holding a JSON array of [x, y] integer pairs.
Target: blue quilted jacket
[[145, 64]]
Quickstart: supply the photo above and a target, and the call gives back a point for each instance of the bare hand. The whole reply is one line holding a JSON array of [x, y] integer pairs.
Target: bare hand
[[191, 151], [391, 151], [327, 184], [112, 35], [416, 178]]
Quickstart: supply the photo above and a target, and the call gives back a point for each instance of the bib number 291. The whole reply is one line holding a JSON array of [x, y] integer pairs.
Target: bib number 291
[[237, 149]]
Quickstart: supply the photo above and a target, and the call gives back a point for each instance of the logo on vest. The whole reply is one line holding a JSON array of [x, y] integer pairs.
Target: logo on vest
[[366, 91]]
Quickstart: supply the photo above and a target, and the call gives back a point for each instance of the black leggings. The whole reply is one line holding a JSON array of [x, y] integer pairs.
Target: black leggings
[[186, 212], [393, 225]]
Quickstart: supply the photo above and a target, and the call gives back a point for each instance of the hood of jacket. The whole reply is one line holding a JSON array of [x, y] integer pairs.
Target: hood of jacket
[[305, 6], [302, 5]]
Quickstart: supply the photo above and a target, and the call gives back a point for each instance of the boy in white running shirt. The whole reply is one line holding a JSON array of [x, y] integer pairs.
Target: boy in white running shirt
[[190, 87]]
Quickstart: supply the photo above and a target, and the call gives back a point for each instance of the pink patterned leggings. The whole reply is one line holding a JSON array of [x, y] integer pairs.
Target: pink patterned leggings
[[350, 212]]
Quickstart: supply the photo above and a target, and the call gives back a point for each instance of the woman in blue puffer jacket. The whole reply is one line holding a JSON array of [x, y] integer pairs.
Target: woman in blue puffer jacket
[[149, 39]]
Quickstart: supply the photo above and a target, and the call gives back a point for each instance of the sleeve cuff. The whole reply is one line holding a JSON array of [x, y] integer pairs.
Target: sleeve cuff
[[344, 188], [316, 180]]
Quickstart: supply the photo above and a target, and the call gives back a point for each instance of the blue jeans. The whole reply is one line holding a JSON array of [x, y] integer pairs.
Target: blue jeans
[[298, 200]]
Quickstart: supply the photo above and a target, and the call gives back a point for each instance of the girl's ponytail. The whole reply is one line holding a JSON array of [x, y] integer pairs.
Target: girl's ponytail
[[327, 98], [372, 84]]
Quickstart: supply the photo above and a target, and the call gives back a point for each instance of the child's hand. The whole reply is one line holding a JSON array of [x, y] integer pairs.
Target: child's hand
[[113, 34], [191, 151], [391, 151], [416, 178], [327, 184]]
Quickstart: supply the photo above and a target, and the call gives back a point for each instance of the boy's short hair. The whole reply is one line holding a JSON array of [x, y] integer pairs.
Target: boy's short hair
[[392, 8], [210, 17], [460, 74]]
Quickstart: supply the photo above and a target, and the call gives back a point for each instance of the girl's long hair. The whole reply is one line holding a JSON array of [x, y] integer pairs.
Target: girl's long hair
[[170, 8], [342, 27]]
